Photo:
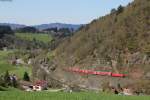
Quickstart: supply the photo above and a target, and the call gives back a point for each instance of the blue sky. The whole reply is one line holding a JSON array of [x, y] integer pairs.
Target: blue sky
[[32, 12]]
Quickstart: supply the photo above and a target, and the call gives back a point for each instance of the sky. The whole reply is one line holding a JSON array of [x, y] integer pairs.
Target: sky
[[33, 12]]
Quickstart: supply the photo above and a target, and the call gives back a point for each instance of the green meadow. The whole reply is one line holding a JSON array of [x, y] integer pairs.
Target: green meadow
[[13, 69], [35, 36], [16, 95]]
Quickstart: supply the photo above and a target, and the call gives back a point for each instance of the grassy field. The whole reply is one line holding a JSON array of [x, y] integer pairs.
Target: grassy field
[[65, 96], [31, 36], [6, 66]]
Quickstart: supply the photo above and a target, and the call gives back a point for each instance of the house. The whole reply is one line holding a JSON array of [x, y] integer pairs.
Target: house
[[29, 61], [127, 91], [19, 62], [40, 85], [37, 86]]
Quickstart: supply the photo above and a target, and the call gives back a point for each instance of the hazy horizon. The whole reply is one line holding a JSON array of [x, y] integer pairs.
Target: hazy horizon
[[33, 12]]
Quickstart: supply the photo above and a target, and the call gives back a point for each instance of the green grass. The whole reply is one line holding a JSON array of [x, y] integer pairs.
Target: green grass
[[4, 54], [65, 96], [4, 65], [19, 71], [31, 36], [13, 69], [2, 89]]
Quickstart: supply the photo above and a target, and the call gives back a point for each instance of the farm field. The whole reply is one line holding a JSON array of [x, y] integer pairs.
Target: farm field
[[37, 36], [13, 69], [16, 95]]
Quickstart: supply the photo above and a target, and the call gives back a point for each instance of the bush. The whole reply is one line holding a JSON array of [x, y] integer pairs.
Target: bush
[[7, 79], [120, 9], [26, 77], [2, 83], [113, 11]]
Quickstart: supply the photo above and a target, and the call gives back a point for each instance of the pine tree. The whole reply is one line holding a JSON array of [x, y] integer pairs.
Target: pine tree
[[120, 9], [7, 79], [113, 11], [2, 81], [26, 77]]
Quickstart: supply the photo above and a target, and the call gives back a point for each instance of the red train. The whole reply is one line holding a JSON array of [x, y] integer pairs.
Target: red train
[[95, 72]]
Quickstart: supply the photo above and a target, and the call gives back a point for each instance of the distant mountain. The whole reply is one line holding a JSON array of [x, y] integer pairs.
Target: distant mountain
[[13, 26], [58, 25], [45, 26]]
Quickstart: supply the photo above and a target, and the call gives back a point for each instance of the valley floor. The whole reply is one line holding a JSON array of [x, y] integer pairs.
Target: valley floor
[[65, 96]]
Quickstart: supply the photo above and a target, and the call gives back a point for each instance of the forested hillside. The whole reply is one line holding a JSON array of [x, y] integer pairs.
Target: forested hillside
[[120, 41], [125, 31]]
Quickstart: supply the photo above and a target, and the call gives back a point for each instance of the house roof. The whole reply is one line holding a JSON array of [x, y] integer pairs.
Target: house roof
[[41, 82]]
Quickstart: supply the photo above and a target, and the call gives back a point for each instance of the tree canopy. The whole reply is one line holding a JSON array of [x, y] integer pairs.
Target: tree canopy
[[5, 30], [27, 29]]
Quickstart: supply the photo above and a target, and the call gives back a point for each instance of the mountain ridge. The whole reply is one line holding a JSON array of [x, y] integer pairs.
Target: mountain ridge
[[58, 25], [44, 26]]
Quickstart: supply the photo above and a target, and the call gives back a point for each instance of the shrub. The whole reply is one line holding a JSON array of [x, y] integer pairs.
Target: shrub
[[113, 11], [26, 77], [120, 9], [7, 79]]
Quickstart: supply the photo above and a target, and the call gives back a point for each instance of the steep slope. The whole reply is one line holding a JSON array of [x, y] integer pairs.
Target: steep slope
[[120, 41], [111, 37]]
